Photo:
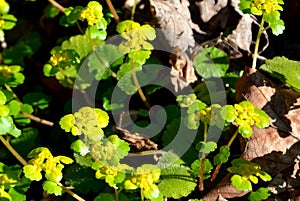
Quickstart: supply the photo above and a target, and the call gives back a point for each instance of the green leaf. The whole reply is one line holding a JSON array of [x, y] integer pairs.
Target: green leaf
[[122, 147], [275, 23], [103, 58], [211, 62], [241, 183], [14, 107], [80, 45], [33, 153], [52, 188], [2, 98], [32, 173], [245, 5], [260, 194], [82, 179], [4, 110], [9, 21], [105, 196], [37, 99], [79, 147], [169, 158], [228, 113], [207, 168], [172, 180], [223, 156], [285, 70], [83, 160], [20, 118], [245, 130], [207, 147], [139, 56], [51, 11], [7, 126], [27, 141], [96, 33]]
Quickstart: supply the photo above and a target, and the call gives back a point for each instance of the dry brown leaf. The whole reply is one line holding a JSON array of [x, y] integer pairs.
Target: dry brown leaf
[[209, 8], [174, 19], [136, 141], [242, 35]]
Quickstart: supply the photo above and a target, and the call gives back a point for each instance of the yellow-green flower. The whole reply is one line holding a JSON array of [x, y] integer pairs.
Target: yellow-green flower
[[260, 7], [92, 13]]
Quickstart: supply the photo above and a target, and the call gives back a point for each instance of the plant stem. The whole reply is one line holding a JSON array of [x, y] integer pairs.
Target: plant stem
[[117, 192], [217, 169], [136, 83], [57, 5], [201, 186], [255, 54], [13, 151], [133, 10], [113, 10]]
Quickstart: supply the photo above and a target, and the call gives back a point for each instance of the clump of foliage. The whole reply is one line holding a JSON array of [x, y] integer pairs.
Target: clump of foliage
[[95, 163]]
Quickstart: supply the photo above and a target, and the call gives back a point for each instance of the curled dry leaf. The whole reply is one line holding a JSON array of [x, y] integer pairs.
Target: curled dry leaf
[[136, 141]]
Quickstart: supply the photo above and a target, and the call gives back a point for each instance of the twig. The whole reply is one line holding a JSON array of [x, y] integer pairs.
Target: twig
[[74, 195], [57, 5], [37, 119], [13, 151], [113, 10]]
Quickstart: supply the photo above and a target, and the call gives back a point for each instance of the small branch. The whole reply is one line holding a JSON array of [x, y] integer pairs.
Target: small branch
[[74, 195], [255, 54], [57, 5], [113, 10], [136, 83], [13, 151], [37, 119]]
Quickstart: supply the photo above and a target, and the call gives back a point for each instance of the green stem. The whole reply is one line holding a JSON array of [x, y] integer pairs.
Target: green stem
[[255, 54], [217, 169], [117, 192], [232, 138], [142, 195], [133, 10], [137, 85], [201, 186]]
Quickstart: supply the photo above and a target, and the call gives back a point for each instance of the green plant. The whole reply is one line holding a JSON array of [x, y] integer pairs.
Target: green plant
[[95, 165], [269, 10]]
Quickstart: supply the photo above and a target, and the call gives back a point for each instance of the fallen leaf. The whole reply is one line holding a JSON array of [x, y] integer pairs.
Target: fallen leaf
[[209, 8]]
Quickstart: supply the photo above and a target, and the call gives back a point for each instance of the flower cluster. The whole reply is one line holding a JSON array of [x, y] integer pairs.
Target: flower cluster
[[144, 178], [92, 13], [63, 58], [87, 121], [260, 7], [245, 115], [136, 36], [44, 161]]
